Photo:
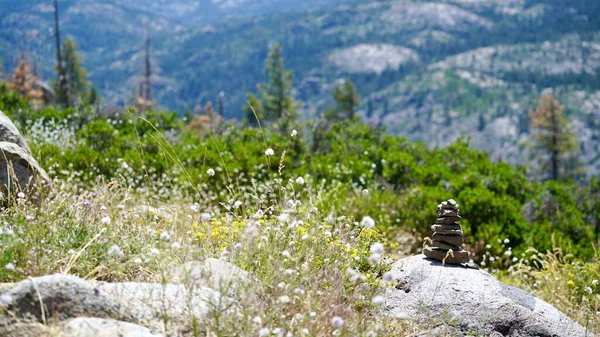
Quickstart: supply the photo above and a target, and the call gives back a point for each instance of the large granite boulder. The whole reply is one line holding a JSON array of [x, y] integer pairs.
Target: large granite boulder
[[9, 133], [24, 169], [19, 171], [54, 298], [474, 301], [172, 309]]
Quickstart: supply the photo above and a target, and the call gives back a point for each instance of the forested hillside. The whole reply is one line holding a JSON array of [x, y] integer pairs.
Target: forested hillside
[[427, 70]]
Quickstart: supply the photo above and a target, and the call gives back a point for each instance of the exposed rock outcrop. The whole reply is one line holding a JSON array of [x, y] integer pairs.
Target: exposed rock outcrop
[[474, 300]]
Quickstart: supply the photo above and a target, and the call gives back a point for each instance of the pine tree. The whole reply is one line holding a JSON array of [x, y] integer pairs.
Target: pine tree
[[76, 87], [347, 100], [553, 138], [61, 90], [278, 102]]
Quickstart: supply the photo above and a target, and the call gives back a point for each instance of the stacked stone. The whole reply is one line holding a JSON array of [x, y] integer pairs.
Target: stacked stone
[[447, 235]]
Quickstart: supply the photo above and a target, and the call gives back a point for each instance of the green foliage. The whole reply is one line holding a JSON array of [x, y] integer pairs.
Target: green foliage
[[347, 99], [156, 154]]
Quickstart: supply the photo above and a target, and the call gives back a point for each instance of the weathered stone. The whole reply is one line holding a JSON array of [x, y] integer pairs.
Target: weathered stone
[[60, 297], [442, 213], [18, 169], [217, 274], [100, 327], [174, 309], [457, 257], [453, 229], [455, 240], [476, 302], [9, 133], [448, 220], [27, 329], [443, 245]]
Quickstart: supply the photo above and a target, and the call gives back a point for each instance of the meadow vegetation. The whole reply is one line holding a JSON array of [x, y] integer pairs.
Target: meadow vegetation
[[136, 193]]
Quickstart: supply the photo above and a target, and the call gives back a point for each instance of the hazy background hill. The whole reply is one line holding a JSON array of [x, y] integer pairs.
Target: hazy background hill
[[428, 70]]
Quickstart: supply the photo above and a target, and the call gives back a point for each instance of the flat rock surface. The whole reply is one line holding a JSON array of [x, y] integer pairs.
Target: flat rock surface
[[433, 294], [171, 309], [217, 274], [99, 327]]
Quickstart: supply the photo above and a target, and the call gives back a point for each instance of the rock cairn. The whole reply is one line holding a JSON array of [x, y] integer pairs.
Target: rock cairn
[[447, 236]]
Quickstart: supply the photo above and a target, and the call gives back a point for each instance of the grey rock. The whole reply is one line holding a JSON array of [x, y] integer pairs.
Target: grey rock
[[219, 275], [455, 240], [60, 297], [448, 220], [437, 253], [446, 230], [26, 169], [478, 302], [442, 213], [28, 329], [9, 133], [100, 327], [172, 309], [443, 245]]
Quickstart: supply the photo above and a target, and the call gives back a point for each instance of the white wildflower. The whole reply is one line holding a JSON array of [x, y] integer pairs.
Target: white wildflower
[[154, 251], [300, 181], [175, 245], [374, 258], [286, 254], [165, 236], [365, 192], [238, 204], [377, 248], [195, 207], [264, 332], [10, 267], [210, 172], [587, 290], [595, 282], [294, 133], [337, 322], [137, 260], [21, 195], [115, 250], [257, 320], [283, 299], [106, 220], [269, 152], [290, 204], [284, 217], [312, 314], [367, 222], [377, 300], [506, 241], [205, 217], [355, 275]]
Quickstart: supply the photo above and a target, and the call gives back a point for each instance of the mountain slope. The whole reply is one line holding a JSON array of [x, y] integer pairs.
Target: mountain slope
[[431, 70]]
